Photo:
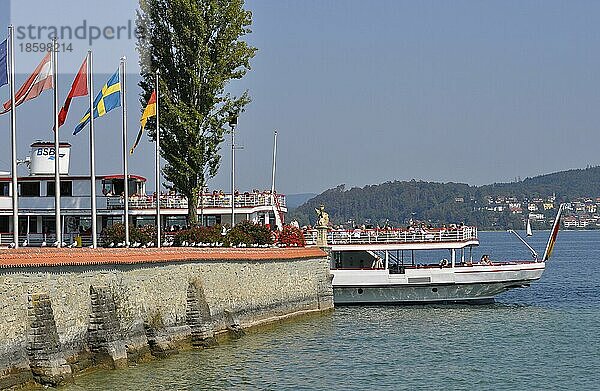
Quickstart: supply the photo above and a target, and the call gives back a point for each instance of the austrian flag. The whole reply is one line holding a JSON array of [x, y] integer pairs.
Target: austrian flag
[[79, 88], [39, 81]]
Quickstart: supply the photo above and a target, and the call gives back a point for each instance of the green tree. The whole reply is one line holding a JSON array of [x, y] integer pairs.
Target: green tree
[[198, 49]]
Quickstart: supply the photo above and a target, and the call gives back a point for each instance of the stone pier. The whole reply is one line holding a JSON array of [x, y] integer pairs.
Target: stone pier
[[66, 310]]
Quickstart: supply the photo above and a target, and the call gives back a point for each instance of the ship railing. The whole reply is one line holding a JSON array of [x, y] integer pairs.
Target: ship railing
[[375, 236], [6, 239], [47, 240], [248, 200]]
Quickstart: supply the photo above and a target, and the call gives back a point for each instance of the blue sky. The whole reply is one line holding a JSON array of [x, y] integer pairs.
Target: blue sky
[[365, 92]]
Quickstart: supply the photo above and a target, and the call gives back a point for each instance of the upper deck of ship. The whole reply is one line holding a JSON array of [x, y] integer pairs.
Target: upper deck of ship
[[36, 195], [397, 238]]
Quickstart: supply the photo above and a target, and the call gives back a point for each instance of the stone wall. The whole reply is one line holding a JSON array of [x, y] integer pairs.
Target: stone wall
[[56, 321]]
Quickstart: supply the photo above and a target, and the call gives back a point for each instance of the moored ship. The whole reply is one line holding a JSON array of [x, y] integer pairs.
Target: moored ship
[[417, 266], [37, 213]]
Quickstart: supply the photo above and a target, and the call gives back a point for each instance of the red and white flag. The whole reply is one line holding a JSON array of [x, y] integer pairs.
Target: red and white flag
[[39, 81]]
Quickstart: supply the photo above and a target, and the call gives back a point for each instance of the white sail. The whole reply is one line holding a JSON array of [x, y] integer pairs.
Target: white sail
[[529, 231]]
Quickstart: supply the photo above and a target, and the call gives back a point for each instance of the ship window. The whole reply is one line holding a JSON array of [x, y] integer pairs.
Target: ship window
[[22, 225], [29, 189], [66, 189], [48, 225], [175, 223], [109, 221], [117, 187], [77, 224], [4, 224], [33, 228], [4, 188], [27, 225], [210, 220], [141, 221], [107, 188]]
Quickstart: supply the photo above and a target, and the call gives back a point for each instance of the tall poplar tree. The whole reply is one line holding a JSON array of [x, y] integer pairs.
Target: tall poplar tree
[[197, 46]]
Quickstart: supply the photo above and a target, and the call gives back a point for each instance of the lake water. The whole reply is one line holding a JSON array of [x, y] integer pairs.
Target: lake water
[[542, 337]]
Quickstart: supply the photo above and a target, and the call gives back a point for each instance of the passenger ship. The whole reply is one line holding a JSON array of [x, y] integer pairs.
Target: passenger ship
[[372, 266], [37, 213]]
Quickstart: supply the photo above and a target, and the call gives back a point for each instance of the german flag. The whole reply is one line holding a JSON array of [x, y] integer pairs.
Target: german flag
[[149, 111], [553, 235]]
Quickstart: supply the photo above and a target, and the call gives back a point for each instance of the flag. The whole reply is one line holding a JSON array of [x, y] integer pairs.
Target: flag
[[108, 99], [79, 88], [553, 235], [39, 81], [149, 111], [3, 63]]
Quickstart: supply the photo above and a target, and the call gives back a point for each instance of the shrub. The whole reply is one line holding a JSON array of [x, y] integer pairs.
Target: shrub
[[291, 236], [260, 234], [116, 234], [237, 236], [144, 234], [248, 233], [198, 235]]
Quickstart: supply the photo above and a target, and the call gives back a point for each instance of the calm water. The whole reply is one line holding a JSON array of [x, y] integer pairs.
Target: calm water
[[542, 337]]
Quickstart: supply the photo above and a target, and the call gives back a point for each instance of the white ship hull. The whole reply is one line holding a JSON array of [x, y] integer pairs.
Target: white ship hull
[[460, 284]]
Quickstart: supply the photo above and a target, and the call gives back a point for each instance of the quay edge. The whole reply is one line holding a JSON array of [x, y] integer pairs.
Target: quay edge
[[65, 311]]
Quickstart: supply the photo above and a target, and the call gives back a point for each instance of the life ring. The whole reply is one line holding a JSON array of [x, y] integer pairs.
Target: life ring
[[443, 262]]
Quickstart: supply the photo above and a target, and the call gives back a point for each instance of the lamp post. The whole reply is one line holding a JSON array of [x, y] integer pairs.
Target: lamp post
[[232, 125]]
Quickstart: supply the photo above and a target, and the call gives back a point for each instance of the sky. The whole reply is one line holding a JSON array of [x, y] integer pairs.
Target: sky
[[363, 92]]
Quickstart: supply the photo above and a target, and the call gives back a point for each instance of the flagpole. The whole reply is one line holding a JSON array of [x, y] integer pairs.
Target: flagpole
[[59, 237], [125, 168], [90, 77], [13, 136], [274, 162], [158, 223]]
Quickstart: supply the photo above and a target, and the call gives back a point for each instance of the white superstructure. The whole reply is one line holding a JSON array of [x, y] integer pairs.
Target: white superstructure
[[36, 202], [41, 159]]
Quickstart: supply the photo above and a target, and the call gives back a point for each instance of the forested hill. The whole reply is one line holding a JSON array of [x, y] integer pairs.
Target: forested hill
[[566, 184], [442, 203]]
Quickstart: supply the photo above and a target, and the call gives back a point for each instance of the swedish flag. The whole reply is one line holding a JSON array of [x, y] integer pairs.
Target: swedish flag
[[108, 99]]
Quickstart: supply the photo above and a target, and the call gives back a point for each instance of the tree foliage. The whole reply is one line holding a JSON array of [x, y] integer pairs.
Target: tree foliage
[[198, 49]]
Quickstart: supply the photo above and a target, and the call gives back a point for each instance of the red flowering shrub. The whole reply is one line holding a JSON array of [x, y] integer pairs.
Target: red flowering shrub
[[291, 236]]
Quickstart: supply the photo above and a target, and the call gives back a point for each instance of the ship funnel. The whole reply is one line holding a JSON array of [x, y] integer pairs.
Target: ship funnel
[[43, 155]]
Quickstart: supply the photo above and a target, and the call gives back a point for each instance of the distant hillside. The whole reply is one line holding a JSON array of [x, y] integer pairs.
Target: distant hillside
[[295, 200], [566, 184], [442, 203]]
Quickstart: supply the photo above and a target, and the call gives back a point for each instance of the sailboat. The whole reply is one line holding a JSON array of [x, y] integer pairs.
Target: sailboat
[[529, 231]]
